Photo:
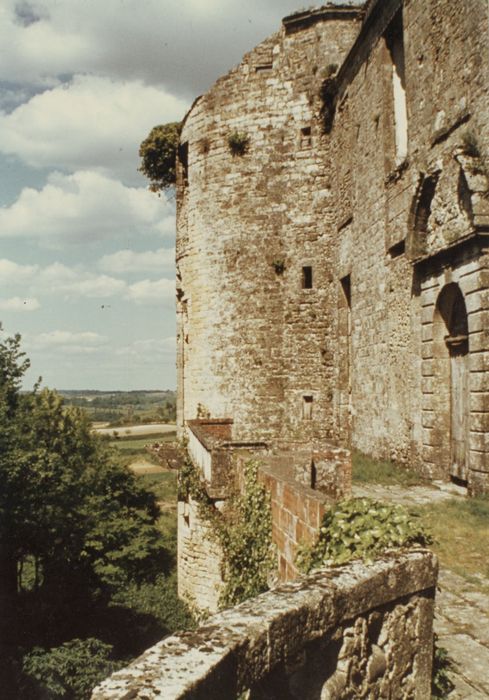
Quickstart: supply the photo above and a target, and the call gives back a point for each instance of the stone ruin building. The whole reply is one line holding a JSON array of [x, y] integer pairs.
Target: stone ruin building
[[333, 258], [332, 293]]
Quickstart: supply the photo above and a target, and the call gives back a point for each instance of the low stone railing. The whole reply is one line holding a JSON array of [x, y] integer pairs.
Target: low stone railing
[[349, 632]]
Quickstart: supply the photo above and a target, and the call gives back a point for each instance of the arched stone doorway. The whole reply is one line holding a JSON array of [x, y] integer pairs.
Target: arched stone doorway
[[451, 381]]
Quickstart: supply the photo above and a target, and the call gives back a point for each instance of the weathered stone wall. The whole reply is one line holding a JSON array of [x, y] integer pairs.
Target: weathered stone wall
[[309, 267], [199, 559], [352, 632], [394, 285], [247, 225]]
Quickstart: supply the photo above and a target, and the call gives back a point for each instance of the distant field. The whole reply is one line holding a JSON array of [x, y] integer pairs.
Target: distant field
[[153, 429], [120, 408]]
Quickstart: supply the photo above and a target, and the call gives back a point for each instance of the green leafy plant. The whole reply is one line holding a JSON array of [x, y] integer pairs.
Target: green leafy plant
[[361, 528], [69, 671], [441, 683], [158, 153], [238, 143], [245, 534], [243, 530]]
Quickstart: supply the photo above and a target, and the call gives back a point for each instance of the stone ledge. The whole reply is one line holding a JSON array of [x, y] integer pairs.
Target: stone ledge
[[242, 645]]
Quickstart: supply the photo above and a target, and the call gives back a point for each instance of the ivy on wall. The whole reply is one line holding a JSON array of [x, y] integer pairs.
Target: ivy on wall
[[243, 529]]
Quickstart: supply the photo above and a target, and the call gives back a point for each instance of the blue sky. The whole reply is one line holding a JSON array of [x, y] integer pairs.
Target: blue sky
[[86, 251]]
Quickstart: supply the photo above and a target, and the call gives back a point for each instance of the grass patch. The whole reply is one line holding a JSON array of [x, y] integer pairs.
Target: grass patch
[[460, 529], [164, 485], [126, 442], [366, 470]]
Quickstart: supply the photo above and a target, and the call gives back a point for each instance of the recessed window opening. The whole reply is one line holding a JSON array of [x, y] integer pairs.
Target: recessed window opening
[[183, 158], [423, 210], [458, 482], [307, 407], [313, 475], [263, 67], [306, 137], [346, 287], [307, 277], [395, 43]]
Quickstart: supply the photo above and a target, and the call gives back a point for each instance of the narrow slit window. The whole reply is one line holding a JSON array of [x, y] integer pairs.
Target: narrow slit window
[[307, 277], [306, 137], [313, 475], [346, 287], [307, 402], [395, 43]]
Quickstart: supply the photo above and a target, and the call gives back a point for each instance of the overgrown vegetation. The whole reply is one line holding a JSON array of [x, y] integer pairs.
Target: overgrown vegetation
[[158, 153], [246, 537], [68, 671], [361, 528], [243, 529], [441, 684], [82, 555], [367, 470], [279, 266], [238, 143]]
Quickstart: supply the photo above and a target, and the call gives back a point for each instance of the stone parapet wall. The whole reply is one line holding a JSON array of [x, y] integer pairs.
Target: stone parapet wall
[[352, 632]]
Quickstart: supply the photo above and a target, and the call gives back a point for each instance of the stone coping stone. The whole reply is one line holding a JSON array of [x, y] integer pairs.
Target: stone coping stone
[[237, 647]]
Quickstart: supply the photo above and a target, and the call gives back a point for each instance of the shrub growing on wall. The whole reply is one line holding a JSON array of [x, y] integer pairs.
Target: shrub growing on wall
[[238, 143], [158, 154]]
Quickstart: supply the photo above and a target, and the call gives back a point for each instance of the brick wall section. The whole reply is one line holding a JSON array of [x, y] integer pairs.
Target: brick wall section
[[199, 560], [296, 514], [297, 509]]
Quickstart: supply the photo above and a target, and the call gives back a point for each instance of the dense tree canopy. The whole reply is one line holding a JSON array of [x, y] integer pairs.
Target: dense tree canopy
[[158, 154], [65, 505], [75, 526]]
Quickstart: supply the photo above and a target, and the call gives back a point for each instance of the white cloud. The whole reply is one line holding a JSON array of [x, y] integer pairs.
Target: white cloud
[[64, 339], [125, 261], [150, 347], [183, 44], [73, 282], [77, 282], [85, 207], [19, 304], [91, 123], [11, 272], [148, 291]]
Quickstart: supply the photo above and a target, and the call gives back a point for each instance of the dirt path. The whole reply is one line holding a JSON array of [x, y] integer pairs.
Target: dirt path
[[462, 611], [144, 466]]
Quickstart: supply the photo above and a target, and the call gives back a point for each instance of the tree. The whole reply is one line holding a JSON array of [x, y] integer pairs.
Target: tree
[[158, 154], [67, 508]]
